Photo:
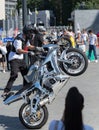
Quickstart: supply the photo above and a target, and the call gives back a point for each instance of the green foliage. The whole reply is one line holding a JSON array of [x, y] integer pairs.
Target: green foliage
[[32, 4], [89, 4]]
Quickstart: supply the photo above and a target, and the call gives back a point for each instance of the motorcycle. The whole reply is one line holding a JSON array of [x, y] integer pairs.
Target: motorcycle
[[46, 78]]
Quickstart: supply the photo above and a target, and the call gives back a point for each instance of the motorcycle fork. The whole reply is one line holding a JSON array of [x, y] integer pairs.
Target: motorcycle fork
[[35, 100], [34, 104]]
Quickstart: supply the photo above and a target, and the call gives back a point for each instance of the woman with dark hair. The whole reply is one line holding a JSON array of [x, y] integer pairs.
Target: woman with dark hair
[[72, 116]]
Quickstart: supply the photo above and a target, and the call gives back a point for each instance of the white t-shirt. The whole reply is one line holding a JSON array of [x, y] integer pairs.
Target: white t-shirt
[[92, 39], [84, 36], [61, 126], [18, 45]]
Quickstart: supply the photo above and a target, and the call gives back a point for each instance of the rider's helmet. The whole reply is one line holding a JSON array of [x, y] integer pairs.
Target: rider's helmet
[[28, 29]]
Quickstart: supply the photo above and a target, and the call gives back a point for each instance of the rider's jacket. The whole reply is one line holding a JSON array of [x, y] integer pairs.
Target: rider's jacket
[[18, 43]]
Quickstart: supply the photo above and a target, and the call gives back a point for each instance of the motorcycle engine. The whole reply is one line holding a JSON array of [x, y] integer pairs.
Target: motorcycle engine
[[49, 81]]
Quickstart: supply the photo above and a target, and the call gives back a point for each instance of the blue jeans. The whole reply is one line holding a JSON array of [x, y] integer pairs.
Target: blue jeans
[[92, 48]]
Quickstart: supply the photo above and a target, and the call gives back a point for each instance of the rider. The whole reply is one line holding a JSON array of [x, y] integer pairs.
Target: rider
[[16, 58], [38, 40]]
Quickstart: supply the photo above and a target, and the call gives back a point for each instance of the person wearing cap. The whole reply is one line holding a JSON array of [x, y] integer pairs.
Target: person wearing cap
[[16, 58]]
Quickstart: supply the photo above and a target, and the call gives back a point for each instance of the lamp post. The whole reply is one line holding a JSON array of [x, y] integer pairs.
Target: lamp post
[[35, 18], [6, 24]]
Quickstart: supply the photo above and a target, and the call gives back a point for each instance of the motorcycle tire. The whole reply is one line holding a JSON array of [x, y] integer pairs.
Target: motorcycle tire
[[65, 41], [35, 121], [79, 62]]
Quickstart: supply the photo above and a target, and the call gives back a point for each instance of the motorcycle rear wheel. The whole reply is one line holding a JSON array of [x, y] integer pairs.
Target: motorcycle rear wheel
[[79, 62], [34, 121], [65, 41]]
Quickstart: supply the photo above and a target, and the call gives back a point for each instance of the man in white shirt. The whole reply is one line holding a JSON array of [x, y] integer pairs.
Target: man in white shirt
[[16, 58], [92, 45]]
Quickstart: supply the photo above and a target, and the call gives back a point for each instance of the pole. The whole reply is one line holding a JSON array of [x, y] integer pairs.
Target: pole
[[24, 15], [35, 17], [24, 12], [6, 23]]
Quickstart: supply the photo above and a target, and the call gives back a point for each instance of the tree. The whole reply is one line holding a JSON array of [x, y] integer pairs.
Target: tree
[[19, 5]]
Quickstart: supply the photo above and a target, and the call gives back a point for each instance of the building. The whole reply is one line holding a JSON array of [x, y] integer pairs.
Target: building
[[2, 14], [2, 9], [8, 15], [88, 19], [46, 16], [10, 6]]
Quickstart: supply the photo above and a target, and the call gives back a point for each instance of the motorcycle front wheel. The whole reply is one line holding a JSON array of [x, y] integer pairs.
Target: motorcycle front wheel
[[78, 62], [35, 120]]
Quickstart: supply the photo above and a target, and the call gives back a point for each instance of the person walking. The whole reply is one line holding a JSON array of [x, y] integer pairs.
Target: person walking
[[72, 116], [16, 58], [92, 45]]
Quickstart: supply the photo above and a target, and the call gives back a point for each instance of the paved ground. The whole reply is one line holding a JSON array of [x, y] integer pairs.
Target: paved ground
[[88, 84]]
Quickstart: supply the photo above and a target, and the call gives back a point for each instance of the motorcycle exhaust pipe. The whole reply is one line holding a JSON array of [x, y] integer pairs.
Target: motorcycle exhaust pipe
[[44, 101]]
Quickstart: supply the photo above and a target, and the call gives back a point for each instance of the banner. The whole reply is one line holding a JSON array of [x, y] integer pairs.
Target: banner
[[8, 39]]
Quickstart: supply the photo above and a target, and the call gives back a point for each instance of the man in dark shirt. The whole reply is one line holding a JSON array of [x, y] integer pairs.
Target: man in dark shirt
[[38, 41], [39, 37]]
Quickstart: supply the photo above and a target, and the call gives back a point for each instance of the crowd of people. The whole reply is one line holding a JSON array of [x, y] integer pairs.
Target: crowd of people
[[87, 41]]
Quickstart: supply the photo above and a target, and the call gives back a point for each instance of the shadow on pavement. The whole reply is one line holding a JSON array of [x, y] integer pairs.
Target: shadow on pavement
[[14, 88], [10, 123]]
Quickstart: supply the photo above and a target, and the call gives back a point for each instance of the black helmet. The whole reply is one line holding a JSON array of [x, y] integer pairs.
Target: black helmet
[[27, 29]]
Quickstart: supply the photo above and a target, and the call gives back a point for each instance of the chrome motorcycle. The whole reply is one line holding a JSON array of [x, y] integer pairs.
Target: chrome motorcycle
[[45, 79]]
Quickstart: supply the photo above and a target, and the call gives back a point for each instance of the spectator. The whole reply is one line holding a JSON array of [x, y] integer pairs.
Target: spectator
[[3, 52], [84, 36], [69, 35], [79, 42], [98, 37], [72, 116], [2, 61], [92, 45]]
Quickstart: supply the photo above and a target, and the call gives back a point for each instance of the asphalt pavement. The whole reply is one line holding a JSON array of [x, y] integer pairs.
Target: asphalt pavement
[[88, 85]]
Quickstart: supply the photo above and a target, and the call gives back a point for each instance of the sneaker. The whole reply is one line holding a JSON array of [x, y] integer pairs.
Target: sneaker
[[4, 95], [96, 61]]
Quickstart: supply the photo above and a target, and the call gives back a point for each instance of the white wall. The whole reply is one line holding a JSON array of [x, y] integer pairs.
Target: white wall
[[2, 9]]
